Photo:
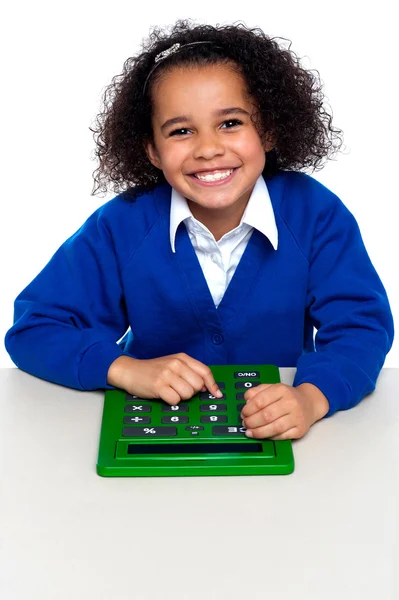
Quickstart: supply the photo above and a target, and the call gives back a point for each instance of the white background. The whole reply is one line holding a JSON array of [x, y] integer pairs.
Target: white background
[[57, 58]]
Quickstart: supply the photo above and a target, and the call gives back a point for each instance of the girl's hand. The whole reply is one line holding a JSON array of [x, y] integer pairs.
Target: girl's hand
[[171, 378], [281, 412]]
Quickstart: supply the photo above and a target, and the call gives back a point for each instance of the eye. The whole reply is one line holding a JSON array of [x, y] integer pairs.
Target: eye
[[234, 121], [177, 131]]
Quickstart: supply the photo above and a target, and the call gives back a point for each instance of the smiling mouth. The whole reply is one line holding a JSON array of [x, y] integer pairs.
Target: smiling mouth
[[214, 177]]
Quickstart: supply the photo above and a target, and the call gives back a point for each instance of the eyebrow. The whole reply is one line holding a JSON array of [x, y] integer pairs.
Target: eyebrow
[[219, 113]]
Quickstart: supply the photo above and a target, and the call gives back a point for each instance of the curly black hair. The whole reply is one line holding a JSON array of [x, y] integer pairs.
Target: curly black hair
[[288, 97]]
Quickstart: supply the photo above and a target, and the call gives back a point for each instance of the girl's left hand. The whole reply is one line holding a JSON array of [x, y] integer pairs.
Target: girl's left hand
[[282, 412]]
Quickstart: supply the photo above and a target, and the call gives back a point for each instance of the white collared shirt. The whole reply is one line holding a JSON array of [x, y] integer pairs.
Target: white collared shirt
[[219, 260]]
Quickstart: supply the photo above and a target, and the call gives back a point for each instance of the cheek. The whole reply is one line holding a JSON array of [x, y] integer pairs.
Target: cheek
[[172, 158], [250, 146], [258, 152]]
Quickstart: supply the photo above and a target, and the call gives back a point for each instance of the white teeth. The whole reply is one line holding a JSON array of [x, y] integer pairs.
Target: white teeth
[[214, 176]]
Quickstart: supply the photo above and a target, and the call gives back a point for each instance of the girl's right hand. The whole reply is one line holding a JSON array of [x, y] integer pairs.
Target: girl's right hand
[[171, 378]]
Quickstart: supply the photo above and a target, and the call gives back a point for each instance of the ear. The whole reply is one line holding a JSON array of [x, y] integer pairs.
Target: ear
[[269, 143], [152, 154]]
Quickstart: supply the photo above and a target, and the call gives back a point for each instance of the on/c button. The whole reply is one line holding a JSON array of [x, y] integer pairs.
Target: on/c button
[[217, 338]]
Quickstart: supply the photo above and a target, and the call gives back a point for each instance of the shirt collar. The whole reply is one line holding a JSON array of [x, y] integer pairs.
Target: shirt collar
[[258, 213]]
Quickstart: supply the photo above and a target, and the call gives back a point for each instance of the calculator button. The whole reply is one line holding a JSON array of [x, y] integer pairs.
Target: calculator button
[[193, 427], [228, 430], [138, 408], [208, 396], [176, 419], [221, 385], [246, 374], [142, 420], [246, 384], [213, 419], [212, 407], [240, 396], [148, 431], [175, 408], [240, 406]]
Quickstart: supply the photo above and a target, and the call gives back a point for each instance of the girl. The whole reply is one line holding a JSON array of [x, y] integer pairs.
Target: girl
[[217, 250]]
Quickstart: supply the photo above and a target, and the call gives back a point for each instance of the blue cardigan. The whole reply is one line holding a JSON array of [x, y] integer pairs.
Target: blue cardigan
[[118, 270]]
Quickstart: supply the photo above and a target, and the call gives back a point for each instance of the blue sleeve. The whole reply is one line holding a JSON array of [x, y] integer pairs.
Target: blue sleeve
[[349, 308], [68, 320]]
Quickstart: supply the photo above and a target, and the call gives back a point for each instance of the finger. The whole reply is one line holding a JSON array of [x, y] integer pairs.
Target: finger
[[177, 382], [177, 371], [182, 387], [249, 394], [169, 395], [205, 372], [261, 400], [277, 428], [187, 382], [267, 415]]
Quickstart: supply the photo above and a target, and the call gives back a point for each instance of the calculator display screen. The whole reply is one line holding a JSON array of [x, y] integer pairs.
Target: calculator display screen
[[216, 448]]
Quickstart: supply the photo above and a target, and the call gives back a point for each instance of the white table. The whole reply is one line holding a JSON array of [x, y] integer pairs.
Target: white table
[[329, 531]]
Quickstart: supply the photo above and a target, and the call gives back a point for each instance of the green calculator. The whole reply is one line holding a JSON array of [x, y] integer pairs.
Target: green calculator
[[143, 437]]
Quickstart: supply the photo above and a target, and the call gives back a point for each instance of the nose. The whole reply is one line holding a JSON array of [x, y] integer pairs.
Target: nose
[[208, 145]]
